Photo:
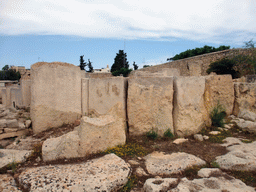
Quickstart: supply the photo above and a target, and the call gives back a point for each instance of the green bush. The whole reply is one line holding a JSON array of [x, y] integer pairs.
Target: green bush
[[217, 116], [168, 134], [152, 134], [125, 72]]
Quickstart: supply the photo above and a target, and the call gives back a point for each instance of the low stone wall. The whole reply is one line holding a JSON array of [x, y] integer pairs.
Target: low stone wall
[[97, 75]]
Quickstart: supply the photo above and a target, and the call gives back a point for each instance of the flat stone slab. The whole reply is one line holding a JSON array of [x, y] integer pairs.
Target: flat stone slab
[[10, 155], [108, 173], [161, 164], [241, 156], [214, 184], [7, 184], [159, 184]]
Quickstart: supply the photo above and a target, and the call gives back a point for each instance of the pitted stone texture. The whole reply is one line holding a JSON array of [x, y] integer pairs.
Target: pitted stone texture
[[189, 114], [150, 105], [159, 184], [65, 146], [101, 133], [10, 155], [219, 89], [161, 164], [213, 184], [7, 184], [108, 173], [245, 97], [27, 143], [241, 156]]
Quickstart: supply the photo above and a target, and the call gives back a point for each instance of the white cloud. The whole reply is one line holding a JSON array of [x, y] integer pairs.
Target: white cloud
[[202, 20]]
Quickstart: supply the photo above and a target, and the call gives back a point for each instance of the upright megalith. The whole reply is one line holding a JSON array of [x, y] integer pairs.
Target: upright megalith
[[189, 114], [150, 105], [55, 95]]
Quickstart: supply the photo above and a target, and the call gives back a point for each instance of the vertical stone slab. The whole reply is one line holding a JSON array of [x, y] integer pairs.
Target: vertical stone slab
[[16, 97], [85, 96], [55, 95], [105, 93], [189, 111], [150, 105], [3, 93], [245, 97], [26, 91], [219, 89]]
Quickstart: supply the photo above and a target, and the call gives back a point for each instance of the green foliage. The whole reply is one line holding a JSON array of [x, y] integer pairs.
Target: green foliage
[[13, 166], [249, 44], [37, 152], [135, 66], [82, 63], [120, 61], [130, 149], [144, 66], [125, 72], [214, 164], [9, 74], [197, 51], [217, 116], [223, 66], [90, 66], [130, 184], [152, 134], [192, 171], [168, 134]]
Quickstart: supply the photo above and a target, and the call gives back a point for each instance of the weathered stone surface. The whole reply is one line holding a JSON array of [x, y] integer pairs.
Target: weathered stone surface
[[7, 184], [245, 97], [65, 146], [22, 125], [207, 172], [242, 156], [212, 184], [159, 163], [14, 134], [189, 113], [108, 173], [219, 89], [180, 140], [4, 113], [101, 133], [198, 137], [2, 123], [12, 123], [55, 95], [247, 115], [159, 184], [150, 105], [27, 143], [10, 155], [246, 125], [28, 123], [140, 172], [8, 130]]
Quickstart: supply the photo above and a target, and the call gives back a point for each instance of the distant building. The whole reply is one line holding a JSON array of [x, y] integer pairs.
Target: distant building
[[106, 70], [21, 69]]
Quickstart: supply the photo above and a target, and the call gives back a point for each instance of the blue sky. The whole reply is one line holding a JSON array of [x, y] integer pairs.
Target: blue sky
[[150, 32]]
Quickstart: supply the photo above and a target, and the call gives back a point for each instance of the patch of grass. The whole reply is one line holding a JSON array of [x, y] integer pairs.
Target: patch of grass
[[129, 149], [192, 171], [37, 152], [152, 134], [214, 164], [132, 181], [13, 166], [247, 177], [246, 141], [217, 116], [168, 134]]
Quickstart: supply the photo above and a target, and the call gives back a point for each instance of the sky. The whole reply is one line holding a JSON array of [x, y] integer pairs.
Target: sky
[[148, 31]]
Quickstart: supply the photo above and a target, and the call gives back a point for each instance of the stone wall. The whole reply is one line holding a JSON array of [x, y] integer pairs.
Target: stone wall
[[26, 92], [55, 95], [195, 66]]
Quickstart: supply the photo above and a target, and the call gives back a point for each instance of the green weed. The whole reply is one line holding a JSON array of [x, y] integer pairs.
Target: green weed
[[130, 149], [214, 164], [168, 134], [130, 184], [13, 166], [152, 134], [217, 116]]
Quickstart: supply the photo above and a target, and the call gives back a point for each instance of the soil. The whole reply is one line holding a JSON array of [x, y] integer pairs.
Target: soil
[[205, 150]]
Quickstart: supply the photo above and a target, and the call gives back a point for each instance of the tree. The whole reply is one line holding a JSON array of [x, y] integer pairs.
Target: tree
[[90, 66], [135, 67], [82, 63], [5, 68], [249, 44], [121, 65], [9, 74], [120, 61], [144, 66]]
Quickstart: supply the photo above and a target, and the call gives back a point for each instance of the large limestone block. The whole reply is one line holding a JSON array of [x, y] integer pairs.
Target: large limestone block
[[85, 96], [108, 173], [161, 164], [55, 95], [100, 133], [219, 89], [189, 113], [150, 105], [65, 146], [245, 97], [105, 93]]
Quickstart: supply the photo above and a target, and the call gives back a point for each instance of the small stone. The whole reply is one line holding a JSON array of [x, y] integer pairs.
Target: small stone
[[220, 128], [206, 172], [227, 126], [214, 132], [22, 125], [140, 172], [28, 123], [206, 137], [133, 162], [198, 137], [179, 141], [139, 158]]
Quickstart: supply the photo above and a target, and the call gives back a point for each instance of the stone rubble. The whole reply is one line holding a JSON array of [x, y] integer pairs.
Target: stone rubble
[[7, 184]]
